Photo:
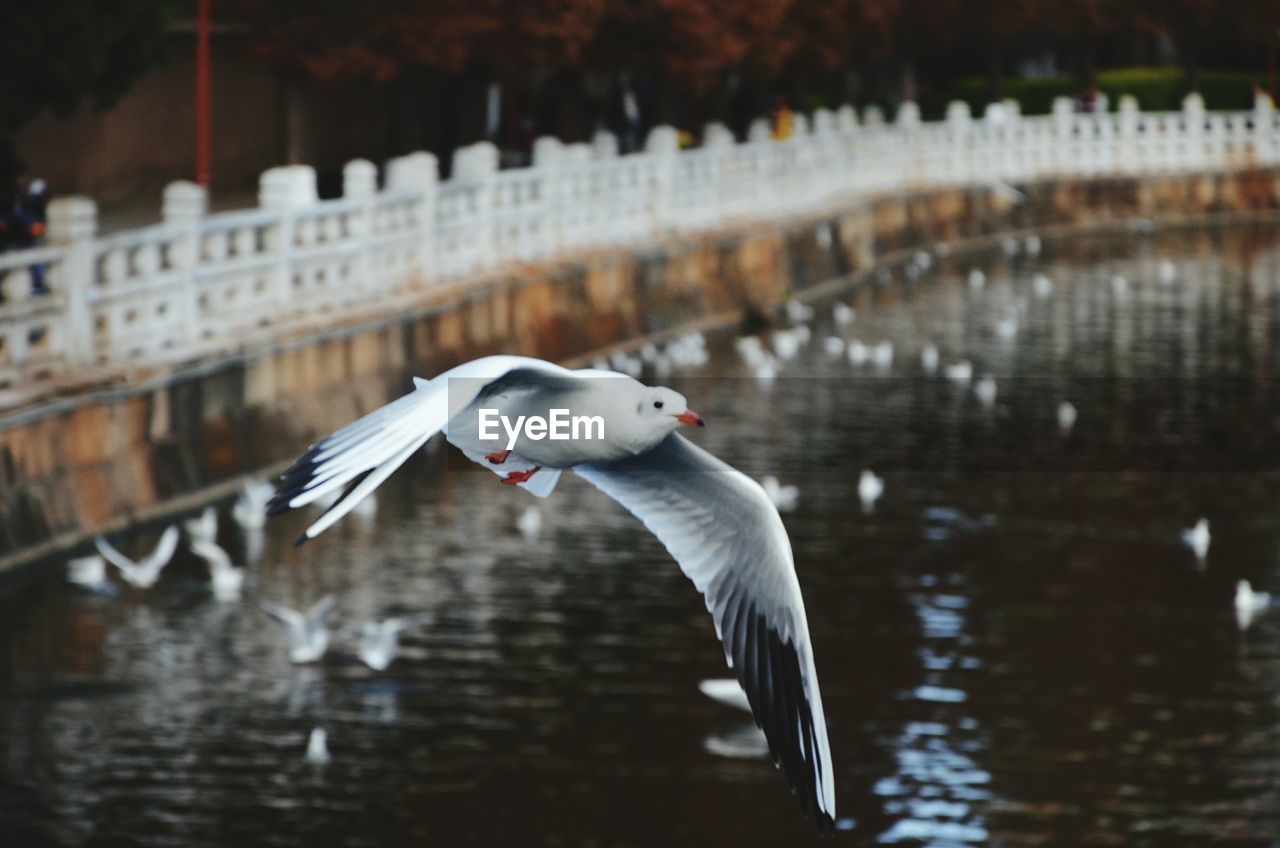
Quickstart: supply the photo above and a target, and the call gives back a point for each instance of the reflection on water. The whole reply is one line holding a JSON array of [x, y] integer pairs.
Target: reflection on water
[[1015, 646]]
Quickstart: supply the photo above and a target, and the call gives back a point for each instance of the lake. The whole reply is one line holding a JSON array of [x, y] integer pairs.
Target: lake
[[1015, 646]]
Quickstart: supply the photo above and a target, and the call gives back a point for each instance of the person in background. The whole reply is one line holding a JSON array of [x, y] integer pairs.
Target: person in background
[[22, 210], [1093, 101], [22, 217], [783, 120], [1262, 101]]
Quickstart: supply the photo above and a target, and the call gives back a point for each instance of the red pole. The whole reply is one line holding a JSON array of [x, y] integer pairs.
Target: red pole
[[202, 92]]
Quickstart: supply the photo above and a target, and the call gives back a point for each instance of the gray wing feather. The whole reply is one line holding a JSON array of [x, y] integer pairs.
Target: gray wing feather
[[721, 528]]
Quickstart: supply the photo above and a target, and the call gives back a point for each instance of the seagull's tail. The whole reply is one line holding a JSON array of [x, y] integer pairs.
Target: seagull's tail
[[356, 459]]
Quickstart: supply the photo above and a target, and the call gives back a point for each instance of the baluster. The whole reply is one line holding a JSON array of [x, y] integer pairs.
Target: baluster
[[73, 223], [359, 185], [419, 173], [285, 190], [185, 204]]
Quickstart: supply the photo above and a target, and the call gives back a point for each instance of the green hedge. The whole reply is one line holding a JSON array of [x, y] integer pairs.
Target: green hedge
[[1157, 90]]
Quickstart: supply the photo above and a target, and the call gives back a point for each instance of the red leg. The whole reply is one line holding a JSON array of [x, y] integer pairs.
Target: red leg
[[520, 476], [498, 457]]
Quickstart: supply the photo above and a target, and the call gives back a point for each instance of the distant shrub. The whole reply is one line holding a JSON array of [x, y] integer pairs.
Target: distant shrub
[[1034, 94], [1157, 90]]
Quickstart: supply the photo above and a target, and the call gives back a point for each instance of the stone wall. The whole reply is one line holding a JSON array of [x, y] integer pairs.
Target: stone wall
[[74, 467]]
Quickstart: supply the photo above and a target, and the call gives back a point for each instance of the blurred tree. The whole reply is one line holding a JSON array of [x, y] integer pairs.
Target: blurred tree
[[1258, 25], [686, 47], [55, 53], [436, 55], [1192, 24], [824, 41], [1081, 26], [944, 37]]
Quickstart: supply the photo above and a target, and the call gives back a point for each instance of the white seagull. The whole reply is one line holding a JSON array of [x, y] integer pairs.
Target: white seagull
[[929, 359], [785, 498], [87, 571], [843, 314], [306, 633], [1066, 415], [380, 641], [882, 355], [318, 747], [1042, 285], [1197, 538], [249, 510], [797, 312], [859, 353], [870, 488], [204, 527], [530, 522], [145, 572], [716, 522], [959, 372], [977, 279], [224, 578], [985, 389], [1249, 603]]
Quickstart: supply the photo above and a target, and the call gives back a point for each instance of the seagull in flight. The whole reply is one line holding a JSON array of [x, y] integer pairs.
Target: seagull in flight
[[144, 572], [716, 522], [380, 641], [307, 633], [204, 527], [89, 572], [224, 578]]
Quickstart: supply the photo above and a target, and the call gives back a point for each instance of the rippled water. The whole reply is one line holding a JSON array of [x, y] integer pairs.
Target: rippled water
[[1014, 646]]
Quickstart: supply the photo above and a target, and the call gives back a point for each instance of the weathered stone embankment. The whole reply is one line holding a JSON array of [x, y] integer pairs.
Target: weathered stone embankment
[[140, 448]]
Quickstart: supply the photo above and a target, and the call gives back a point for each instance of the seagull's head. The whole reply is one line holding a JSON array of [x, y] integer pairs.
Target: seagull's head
[[664, 409]]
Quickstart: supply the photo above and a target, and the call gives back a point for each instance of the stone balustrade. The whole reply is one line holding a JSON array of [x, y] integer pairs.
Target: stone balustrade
[[200, 281]]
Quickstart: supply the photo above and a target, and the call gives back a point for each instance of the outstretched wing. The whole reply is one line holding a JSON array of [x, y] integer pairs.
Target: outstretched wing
[[359, 457], [212, 553], [729, 540], [287, 617], [114, 557], [164, 549], [320, 610]]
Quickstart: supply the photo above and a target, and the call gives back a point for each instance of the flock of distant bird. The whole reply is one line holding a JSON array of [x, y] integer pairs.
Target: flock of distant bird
[[306, 632], [765, 361]]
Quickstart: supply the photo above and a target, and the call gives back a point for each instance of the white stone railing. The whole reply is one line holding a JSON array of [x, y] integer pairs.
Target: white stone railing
[[197, 281]]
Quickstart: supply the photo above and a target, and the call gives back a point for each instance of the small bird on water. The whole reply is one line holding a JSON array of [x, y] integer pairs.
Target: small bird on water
[[204, 527], [145, 572], [1249, 603], [870, 488], [318, 747], [1197, 538], [1066, 415], [307, 634], [224, 578], [929, 359], [89, 572], [380, 641], [785, 498]]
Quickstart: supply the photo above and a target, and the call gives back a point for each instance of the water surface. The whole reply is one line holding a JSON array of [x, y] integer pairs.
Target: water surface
[[1014, 646]]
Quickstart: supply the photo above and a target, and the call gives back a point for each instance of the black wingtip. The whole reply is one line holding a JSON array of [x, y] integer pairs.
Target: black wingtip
[[301, 540]]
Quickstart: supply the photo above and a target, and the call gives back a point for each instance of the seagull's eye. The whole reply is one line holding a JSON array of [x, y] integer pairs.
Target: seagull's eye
[[657, 404]]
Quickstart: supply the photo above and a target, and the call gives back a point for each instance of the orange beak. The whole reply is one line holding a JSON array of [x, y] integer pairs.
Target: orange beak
[[691, 418]]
